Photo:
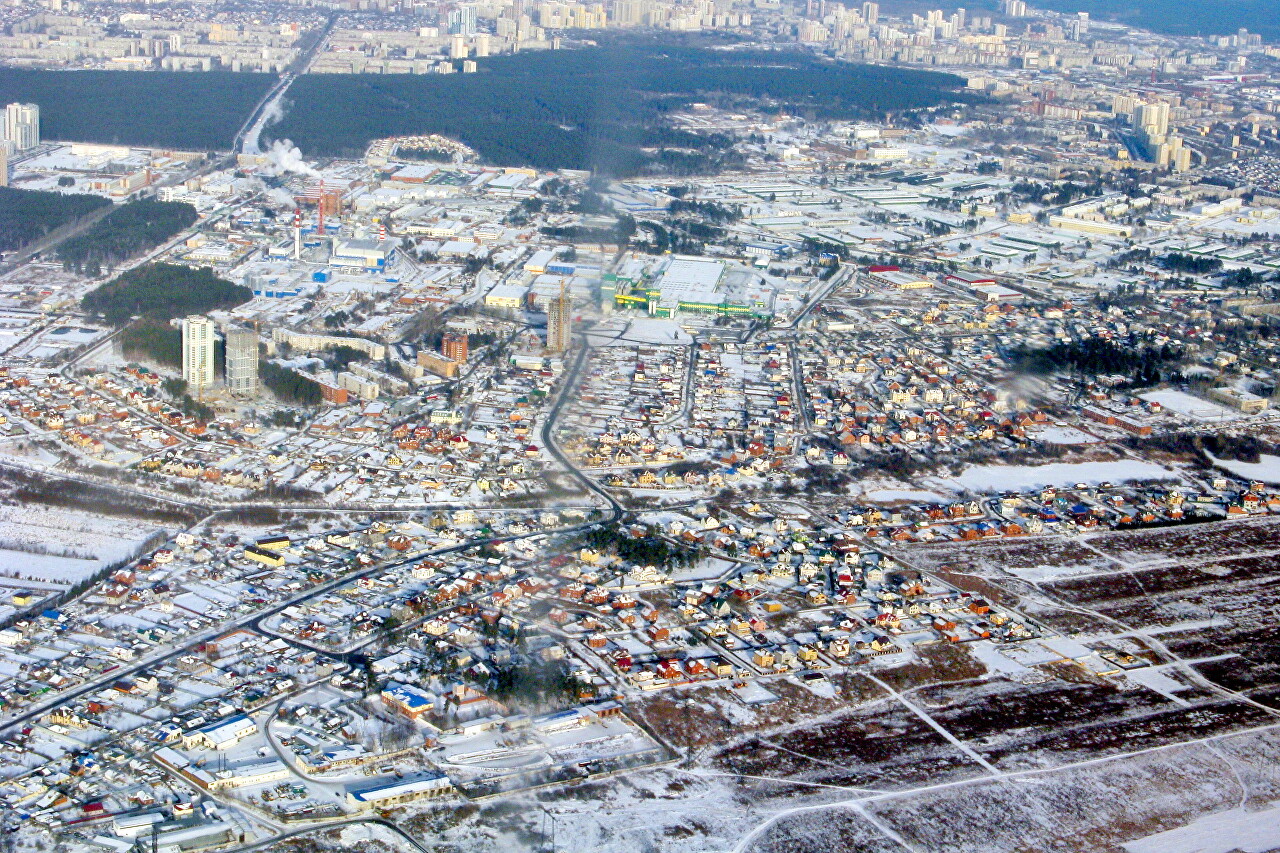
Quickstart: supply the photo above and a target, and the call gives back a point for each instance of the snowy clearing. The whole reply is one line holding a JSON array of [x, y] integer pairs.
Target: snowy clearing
[[1266, 469], [1224, 832], [1189, 406], [1016, 478]]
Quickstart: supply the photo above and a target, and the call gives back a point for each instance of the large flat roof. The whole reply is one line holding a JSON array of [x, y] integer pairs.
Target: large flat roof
[[691, 280], [398, 789], [692, 274]]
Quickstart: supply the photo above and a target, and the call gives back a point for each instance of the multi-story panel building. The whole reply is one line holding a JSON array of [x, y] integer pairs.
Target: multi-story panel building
[[455, 347], [242, 361], [22, 126], [198, 338]]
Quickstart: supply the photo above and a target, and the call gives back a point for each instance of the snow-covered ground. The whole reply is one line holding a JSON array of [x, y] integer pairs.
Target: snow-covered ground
[[630, 332], [879, 489], [709, 569], [1224, 832], [1154, 679], [1266, 469], [1000, 478], [45, 543], [21, 565], [1189, 406], [887, 496], [990, 655], [1062, 434]]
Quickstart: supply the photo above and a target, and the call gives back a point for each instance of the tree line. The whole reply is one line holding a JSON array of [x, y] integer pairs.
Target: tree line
[[289, 385], [124, 233], [1181, 262], [163, 291], [1139, 361], [153, 340], [28, 215]]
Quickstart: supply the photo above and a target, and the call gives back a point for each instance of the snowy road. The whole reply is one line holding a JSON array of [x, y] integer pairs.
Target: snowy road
[[937, 727]]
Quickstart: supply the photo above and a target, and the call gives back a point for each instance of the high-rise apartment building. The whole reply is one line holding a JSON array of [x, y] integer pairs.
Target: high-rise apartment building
[[198, 337], [455, 347], [628, 13], [22, 126], [871, 13], [4, 163], [1154, 118], [462, 21], [242, 361], [560, 321]]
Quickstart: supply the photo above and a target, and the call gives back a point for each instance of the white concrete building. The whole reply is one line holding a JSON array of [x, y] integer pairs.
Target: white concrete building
[[198, 337], [22, 126]]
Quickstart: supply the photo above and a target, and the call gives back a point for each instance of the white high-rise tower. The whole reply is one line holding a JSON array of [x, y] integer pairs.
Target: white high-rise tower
[[22, 126], [198, 337]]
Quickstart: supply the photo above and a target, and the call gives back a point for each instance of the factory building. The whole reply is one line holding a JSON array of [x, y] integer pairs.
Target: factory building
[[362, 255]]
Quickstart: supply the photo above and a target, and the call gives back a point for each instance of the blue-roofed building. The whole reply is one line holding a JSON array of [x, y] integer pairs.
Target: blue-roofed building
[[411, 701]]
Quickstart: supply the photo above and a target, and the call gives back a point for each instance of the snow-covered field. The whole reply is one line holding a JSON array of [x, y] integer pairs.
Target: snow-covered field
[[24, 566], [1188, 406], [1000, 478], [1266, 469], [1224, 832], [45, 543]]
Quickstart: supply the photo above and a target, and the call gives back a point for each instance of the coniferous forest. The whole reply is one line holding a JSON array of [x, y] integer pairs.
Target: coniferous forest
[[161, 109], [125, 233], [289, 385], [153, 339], [163, 291], [28, 215], [598, 108]]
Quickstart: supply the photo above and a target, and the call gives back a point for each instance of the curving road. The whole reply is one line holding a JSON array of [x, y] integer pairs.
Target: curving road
[[570, 384]]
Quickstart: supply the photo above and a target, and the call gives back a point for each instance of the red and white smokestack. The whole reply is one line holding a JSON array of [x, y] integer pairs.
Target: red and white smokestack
[[382, 231], [297, 233]]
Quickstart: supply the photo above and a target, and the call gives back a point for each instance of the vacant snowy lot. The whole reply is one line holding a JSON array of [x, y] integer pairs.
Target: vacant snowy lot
[[59, 546]]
